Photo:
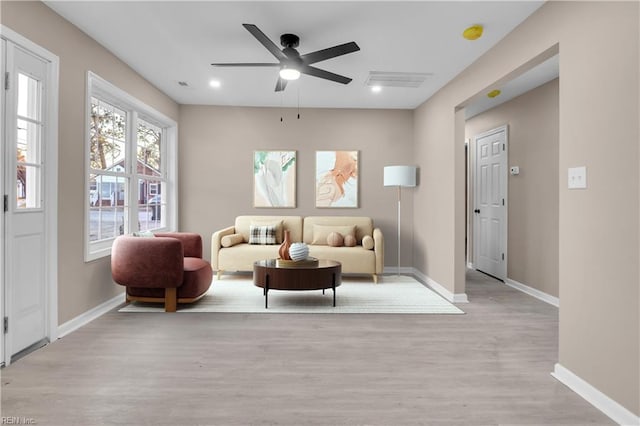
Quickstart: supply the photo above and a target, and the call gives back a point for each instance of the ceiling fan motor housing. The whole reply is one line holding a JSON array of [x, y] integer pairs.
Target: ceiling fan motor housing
[[289, 40]]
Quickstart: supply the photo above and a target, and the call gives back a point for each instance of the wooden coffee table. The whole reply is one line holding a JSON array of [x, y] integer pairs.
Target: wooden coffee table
[[271, 276]]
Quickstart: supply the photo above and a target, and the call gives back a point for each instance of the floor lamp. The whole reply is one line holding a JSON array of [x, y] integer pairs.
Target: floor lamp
[[399, 176]]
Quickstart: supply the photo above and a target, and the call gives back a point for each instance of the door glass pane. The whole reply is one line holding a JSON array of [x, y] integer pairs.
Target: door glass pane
[[28, 194], [148, 149], [151, 204], [108, 129], [28, 143], [107, 207], [28, 97]]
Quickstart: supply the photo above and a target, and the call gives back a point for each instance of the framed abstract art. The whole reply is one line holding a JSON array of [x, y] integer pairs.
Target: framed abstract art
[[337, 179], [274, 179]]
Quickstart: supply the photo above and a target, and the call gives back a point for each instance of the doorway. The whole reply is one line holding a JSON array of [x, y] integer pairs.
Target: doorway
[[29, 190]]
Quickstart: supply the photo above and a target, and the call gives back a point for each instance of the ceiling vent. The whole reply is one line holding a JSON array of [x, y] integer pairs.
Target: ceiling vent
[[396, 79]]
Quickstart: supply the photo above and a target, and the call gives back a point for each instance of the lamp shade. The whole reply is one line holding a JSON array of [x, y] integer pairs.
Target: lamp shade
[[400, 176]]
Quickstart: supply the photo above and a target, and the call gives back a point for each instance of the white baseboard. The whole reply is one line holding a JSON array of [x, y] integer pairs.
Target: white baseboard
[[85, 318], [440, 289], [602, 402], [395, 270], [470, 265], [541, 295]]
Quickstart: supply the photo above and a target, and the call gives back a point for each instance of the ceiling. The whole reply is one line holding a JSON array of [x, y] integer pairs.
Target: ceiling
[[169, 42]]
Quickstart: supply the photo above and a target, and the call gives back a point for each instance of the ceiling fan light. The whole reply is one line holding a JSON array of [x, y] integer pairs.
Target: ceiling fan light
[[289, 74]]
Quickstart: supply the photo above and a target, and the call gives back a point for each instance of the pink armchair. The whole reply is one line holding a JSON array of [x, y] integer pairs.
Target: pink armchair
[[167, 268]]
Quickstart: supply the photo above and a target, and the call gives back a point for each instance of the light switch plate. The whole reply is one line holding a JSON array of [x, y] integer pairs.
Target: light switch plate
[[515, 170], [577, 177]]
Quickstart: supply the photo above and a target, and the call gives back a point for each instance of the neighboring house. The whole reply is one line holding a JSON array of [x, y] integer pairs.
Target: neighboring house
[[106, 190]]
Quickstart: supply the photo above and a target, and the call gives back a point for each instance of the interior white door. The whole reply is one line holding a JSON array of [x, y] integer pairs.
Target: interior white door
[[24, 218], [490, 230]]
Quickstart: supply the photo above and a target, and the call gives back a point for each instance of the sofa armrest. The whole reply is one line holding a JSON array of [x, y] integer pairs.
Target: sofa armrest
[[216, 244], [191, 243], [378, 248], [156, 262]]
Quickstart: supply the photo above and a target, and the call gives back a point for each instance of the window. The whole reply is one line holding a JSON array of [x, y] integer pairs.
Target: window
[[131, 167]]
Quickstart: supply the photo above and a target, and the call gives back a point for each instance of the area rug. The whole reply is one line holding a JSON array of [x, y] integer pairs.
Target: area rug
[[392, 295]]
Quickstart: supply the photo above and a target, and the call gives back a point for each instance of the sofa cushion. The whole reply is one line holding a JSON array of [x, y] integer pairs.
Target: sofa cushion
[[269, 222], [321, 232], [262, 234], [335, 239], [291, 223], [354, 260], [231, 240], [241, 257], [364, 225], [367, 242]]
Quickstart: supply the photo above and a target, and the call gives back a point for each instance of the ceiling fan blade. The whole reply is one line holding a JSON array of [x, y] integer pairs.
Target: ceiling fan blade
[[330, 52], [247, 64], [317, 72], [266, 42], [281, 84]]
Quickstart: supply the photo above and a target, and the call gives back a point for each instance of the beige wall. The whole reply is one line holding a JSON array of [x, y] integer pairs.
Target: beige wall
[[81, 286], [532, 246], [599, 240], [216, 160]]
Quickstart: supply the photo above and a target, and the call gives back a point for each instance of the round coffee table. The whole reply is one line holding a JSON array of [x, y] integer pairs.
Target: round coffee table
[[271, 276]]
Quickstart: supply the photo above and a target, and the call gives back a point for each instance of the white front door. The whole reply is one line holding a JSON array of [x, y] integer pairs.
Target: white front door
[[24, 162], [490, 227]]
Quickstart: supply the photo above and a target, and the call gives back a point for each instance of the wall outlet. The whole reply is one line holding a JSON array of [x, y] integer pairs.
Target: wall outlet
[[577, 177]]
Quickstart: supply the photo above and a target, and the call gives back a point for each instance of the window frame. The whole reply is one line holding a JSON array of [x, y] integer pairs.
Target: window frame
[[103, 90]]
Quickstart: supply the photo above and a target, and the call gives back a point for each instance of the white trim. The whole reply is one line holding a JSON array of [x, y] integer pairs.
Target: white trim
[[50, 179], [470, 265], [593, 396], [541, 295], [90, 315], [440, 289]]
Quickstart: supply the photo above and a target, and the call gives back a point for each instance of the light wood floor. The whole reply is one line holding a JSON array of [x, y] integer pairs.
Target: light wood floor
[[488, 367]]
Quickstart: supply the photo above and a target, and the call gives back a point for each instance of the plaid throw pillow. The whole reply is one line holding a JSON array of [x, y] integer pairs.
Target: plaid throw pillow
[[262, 234]]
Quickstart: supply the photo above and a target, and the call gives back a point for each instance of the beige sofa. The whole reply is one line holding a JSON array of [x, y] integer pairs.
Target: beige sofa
[[234, 253]]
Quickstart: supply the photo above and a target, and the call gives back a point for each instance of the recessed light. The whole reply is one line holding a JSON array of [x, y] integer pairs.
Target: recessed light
[[376, 89], [214, 83]]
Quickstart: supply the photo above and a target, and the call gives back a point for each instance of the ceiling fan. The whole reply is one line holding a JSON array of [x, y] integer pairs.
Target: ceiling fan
[[291, 62]]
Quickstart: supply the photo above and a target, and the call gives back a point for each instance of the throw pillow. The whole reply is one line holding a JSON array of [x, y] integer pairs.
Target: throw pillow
[[335, 239], [262, 234], [321, 232], [267, 222], [350, 241], [231, 240], [144, 234], [367, 242]]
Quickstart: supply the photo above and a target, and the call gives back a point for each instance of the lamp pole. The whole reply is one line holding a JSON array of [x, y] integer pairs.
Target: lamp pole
[[399, 204]]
